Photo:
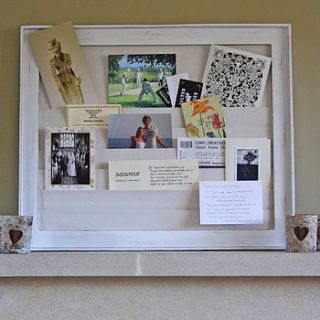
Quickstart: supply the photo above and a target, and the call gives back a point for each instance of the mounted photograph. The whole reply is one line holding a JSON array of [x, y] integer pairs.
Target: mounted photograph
[[62, 66], [248, 159], [134, 79], [247, 164], [69, 158], [140, 131]]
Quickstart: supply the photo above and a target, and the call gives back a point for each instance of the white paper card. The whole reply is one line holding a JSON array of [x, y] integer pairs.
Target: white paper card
[[248, 159], [209, 152], [238, 77], [173, 85], [94, 116], [153, 175], [230, 202]]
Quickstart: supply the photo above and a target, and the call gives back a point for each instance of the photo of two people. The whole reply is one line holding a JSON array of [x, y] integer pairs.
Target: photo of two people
[[139, 131]]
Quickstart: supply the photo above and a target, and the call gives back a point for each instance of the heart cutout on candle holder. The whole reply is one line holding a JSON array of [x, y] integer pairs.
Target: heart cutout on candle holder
[[15, 235], [301, 232]]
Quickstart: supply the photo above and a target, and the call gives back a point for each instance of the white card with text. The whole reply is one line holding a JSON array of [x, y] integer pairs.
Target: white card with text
[[153, 175], [230, 202]]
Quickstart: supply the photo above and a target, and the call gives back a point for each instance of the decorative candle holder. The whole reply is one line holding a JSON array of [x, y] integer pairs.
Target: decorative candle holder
[[15, 234], [318, 234], [302, 233]]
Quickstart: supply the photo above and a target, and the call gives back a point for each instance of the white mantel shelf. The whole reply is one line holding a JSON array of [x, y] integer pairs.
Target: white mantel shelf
[[161, 264]]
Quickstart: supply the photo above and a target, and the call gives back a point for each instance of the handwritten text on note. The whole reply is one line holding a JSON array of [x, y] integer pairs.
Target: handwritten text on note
[[231, 202]]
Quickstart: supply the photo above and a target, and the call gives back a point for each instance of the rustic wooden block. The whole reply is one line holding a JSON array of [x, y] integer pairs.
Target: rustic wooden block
[[302, 233], [15, 234]]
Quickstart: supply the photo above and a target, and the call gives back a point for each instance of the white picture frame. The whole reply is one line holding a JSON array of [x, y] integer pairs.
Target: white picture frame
[[149, 229]]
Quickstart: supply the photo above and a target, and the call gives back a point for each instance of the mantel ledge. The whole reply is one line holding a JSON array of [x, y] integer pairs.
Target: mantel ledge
[[161, 264]]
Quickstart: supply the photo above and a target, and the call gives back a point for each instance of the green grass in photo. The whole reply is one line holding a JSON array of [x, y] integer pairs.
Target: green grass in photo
[[128, 101]]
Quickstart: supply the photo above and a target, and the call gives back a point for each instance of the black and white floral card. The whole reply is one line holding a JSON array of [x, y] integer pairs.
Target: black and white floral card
[[237, 77]]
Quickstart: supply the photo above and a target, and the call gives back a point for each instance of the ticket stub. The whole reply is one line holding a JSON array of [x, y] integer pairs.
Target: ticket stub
[[210, 152]]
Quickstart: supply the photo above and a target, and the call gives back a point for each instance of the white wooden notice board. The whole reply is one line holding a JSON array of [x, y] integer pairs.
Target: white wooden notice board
[[156, 220]]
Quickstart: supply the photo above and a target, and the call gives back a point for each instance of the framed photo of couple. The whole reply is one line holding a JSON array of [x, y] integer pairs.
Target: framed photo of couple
[[96, 218]]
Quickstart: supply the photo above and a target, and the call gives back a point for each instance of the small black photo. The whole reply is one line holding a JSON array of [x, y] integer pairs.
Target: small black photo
[[70, 158], [247, 164]]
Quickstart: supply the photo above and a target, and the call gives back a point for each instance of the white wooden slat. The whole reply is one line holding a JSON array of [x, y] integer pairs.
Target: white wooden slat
[[103, 198], [191, 58], [244, 123], [135, 219]]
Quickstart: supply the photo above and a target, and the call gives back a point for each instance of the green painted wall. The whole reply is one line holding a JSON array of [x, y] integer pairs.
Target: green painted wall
[[303, 15]]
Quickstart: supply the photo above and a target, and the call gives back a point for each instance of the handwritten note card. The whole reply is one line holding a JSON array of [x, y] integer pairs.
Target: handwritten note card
[[231, 202], [153, 175]]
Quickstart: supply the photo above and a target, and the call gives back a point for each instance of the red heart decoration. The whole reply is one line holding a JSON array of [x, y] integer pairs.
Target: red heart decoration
[[15, 235], [301, 232]]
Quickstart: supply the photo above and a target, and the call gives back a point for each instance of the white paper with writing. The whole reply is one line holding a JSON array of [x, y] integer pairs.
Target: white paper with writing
[[94, 116], [230, 202], [153, 175], [208, 151]]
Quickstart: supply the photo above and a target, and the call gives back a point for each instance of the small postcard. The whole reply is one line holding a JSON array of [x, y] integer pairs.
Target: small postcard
[[209, 152], [188, 90], [134, 79], [163, 93], [204, 118], [140, 131], [153, 175], [62, 66], [248, 159], [69, 154], [90, 115], [230, 202], [237, 76], [173, 85]]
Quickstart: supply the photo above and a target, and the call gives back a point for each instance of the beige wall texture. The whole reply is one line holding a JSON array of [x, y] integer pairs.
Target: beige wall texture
[[174, 298]]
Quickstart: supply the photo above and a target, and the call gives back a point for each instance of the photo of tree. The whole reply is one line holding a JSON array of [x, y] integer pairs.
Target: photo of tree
[[247, 164]]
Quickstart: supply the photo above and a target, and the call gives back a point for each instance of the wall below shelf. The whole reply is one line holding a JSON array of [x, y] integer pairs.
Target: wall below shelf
[[161, 264]]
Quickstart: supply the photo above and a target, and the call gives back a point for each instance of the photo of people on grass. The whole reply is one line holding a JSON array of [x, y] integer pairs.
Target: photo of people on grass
[[133, 80]]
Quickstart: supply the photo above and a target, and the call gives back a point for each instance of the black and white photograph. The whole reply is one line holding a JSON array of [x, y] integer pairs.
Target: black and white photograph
[[188, 90], [69, 155], [247, 164], [139, 131]]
